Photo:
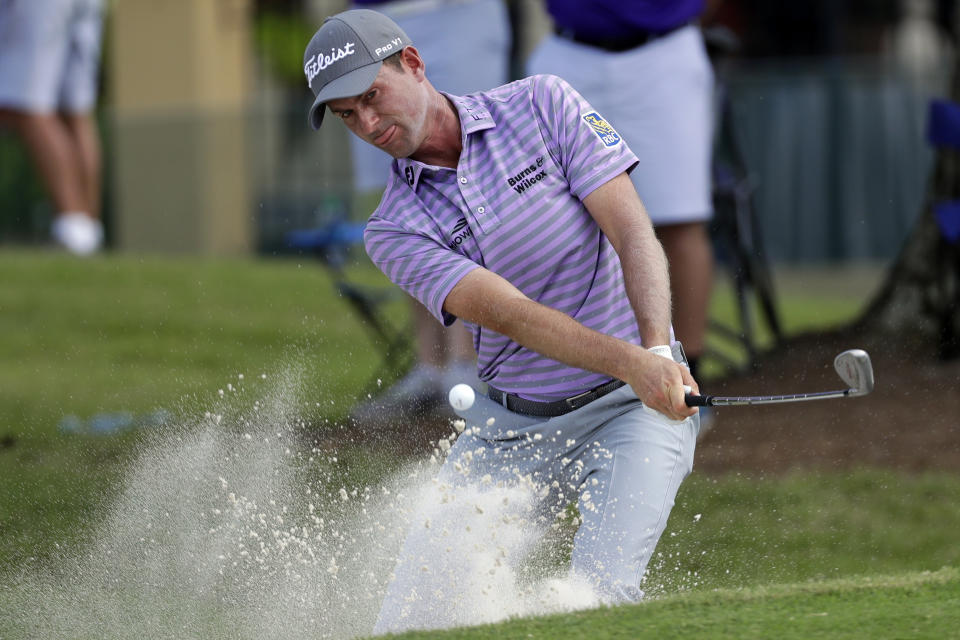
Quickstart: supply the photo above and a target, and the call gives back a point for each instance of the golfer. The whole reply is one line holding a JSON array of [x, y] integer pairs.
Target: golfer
[[512, 209]]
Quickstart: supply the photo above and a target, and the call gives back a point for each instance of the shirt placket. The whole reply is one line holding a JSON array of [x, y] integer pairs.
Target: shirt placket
[[479, 209]]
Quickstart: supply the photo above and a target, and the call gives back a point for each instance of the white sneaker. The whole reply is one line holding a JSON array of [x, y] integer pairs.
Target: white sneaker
[[78, 233]]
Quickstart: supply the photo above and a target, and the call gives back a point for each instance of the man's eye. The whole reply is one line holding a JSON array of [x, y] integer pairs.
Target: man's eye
[[370, 95], [345, 114]]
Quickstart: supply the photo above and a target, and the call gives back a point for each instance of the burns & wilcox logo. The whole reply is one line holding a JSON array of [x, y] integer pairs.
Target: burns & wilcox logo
[[528, 176]]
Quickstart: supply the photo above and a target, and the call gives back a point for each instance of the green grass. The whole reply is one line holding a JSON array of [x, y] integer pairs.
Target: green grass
[[803, 526], [735, 530], [914, 605], [133, 334], [128, 333]]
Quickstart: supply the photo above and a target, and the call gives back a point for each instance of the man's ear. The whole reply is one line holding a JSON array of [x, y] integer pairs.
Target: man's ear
[[411, 60]]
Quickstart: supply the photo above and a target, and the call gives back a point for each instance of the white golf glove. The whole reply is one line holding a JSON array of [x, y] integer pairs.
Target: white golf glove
[[664, 351]]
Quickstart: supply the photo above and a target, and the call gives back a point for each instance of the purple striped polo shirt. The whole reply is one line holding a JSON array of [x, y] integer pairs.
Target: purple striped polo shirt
[[532, 150]]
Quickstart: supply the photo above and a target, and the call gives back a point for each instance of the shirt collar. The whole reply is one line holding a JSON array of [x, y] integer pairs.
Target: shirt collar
[[474, 116]]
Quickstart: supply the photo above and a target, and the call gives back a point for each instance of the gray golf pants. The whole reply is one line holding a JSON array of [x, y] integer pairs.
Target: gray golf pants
[[621, 463]]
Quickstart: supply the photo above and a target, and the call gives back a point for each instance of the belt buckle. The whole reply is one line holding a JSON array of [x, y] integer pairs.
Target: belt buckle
[[573, 399]]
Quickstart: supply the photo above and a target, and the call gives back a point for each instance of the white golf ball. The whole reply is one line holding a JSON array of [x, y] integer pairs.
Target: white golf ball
[[461, 396]]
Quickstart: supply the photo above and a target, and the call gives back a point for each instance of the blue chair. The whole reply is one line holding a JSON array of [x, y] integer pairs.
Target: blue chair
[[943, 124], [948, 219], [331, 242], [943, 132]]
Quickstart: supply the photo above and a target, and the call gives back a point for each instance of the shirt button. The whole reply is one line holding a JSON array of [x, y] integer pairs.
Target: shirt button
[[480, 209], [463, 180]]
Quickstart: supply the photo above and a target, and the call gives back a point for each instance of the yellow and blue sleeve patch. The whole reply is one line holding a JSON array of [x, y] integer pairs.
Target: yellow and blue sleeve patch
[[602, 128]]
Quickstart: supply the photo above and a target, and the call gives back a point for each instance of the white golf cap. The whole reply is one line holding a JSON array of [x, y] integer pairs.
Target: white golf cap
[[345, 55]]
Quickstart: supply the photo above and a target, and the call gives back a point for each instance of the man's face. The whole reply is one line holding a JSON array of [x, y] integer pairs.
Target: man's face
[[391, 114]]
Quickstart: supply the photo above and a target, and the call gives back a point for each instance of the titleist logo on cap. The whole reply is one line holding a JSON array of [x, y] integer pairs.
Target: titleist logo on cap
[[321, 61], [345, 54]]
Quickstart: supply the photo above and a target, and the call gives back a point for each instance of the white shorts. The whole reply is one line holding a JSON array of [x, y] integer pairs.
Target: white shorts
[[659, 96], [465, 45], [50, 54]]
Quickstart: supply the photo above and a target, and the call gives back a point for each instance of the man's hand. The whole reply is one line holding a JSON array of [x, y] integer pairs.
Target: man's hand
[[658, 381]]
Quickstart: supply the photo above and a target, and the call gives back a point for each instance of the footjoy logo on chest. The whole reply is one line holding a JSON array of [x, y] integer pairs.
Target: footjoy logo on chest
[[461, 231], [528, 176]]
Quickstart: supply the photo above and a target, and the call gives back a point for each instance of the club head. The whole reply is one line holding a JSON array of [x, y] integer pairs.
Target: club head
[[854, 367]]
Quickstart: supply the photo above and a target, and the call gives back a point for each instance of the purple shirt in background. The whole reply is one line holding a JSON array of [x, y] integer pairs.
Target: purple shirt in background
[[532, 150], [621, 19]]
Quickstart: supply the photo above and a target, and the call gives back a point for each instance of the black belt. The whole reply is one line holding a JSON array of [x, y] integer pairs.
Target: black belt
[[555, 408], [615, 44]]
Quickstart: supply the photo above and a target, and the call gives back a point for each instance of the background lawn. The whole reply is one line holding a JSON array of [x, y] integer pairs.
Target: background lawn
[[186, 341]]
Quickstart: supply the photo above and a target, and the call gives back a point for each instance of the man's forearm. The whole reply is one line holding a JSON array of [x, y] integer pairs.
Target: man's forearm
[[621, 215], [647, 281], [561, 338], [484, 298]]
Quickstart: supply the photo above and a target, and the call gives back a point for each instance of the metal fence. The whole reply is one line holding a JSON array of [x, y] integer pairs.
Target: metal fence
[[837, 153]]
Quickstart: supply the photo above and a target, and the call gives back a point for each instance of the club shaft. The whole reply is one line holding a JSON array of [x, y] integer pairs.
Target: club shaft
[[723, 401]]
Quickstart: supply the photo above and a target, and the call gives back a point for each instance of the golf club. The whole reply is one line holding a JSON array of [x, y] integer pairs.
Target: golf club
[[853, 366]]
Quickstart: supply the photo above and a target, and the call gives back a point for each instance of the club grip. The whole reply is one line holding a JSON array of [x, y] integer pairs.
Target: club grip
[[697, 401]]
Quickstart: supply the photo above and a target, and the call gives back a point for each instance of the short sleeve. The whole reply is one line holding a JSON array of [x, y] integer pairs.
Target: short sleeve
[[417, 263], [589, 149]]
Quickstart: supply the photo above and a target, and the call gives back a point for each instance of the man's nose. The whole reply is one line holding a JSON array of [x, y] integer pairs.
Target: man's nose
[[368, 121]]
